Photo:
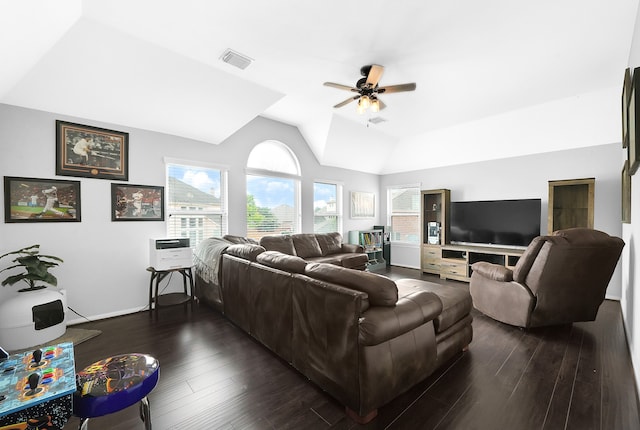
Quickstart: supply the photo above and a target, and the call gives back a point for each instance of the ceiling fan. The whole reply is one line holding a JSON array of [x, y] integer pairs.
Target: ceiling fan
[[367, 89]]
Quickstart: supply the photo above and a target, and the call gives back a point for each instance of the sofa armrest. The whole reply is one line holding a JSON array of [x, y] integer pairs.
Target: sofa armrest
[[493, 271], [380, 323], [351, 247]]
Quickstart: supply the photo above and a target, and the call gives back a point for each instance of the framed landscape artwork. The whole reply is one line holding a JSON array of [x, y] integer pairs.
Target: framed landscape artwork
[[137, 202], [41, 200], [91, 152], [634, 125], [362, 205], [626, 94]]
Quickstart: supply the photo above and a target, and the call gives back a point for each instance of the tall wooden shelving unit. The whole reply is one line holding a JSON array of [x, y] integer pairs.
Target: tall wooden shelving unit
[[434, 208], [571, 204]]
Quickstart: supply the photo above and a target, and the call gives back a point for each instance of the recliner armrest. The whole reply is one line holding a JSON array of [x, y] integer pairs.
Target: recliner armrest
[[350, 247], [381, 323], [496, 272]]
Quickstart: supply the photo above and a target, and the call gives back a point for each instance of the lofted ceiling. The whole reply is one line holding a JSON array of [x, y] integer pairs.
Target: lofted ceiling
[[494, 79]]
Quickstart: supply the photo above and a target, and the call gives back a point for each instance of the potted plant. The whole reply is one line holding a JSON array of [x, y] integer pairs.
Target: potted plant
[[36, 268]]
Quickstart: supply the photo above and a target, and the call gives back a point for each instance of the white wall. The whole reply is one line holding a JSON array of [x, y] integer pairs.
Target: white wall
[[631, 256], [104, 268], [523, 178]]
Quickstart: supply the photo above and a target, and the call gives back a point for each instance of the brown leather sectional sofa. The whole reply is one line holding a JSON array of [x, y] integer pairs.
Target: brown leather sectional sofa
[[318, 248], [361, 337]]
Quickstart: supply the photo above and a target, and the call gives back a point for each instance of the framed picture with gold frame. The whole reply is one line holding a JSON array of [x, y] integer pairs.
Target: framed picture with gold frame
[[91, 152]]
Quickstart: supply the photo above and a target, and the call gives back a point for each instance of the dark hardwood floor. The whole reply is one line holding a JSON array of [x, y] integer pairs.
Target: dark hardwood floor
[[214, 376]]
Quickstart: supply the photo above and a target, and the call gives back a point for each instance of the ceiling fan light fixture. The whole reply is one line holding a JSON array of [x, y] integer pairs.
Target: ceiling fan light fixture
[[363, 103], [375, 105]]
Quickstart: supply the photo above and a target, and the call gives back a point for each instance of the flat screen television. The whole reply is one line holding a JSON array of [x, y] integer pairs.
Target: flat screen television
[[510, 223]]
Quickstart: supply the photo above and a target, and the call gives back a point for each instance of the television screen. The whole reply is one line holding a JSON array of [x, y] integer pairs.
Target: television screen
[[495, 222]]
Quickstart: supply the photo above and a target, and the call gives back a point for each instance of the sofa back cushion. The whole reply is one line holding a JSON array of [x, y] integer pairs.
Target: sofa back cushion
[[525, 262], [381, 291], [248, 251], [306, 245], [278, 260], [282, 243], [330, 243], [238, 239]]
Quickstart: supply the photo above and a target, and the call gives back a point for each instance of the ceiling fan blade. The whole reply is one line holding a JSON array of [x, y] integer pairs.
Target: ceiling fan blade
[[397, 88], [340, 86], [374, 75], [347, 101], [382, 104]]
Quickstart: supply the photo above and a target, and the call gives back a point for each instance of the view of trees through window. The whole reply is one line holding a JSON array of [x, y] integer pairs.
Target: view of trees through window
[[271, 206], [196, 205], [327, 210], [272, 198]]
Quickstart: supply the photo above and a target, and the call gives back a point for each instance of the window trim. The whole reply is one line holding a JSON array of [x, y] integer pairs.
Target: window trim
[[224, 193], [297, 179], [390, 213], [339, 201]]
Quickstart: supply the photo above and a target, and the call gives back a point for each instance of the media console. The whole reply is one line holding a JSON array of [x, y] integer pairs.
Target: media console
[[455, 261]]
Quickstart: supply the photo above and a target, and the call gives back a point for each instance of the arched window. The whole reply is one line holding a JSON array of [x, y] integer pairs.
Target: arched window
[[273, 190], [274, 156]]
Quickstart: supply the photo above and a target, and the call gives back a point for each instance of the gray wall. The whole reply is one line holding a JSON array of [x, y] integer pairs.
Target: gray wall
[[631, 257], [523, 178], [104, 268]]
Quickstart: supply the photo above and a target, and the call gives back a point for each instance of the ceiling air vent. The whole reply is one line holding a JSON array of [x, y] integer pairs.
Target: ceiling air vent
[[376, 120], [236, 59]]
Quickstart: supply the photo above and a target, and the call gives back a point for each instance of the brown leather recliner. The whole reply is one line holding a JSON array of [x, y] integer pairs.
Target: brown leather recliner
[[560, 279]]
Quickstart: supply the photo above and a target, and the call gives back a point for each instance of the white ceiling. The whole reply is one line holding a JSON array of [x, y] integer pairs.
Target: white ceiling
[[492, 77]]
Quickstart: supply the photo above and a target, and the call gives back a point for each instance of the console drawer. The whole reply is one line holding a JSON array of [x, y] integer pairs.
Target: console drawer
[[454, 269]]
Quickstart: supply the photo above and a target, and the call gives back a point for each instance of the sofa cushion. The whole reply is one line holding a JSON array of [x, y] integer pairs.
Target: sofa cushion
[[248, 251], [456, 301], [238, 239], [348, 260], [381, 291], [330, 243], [282, 243], [278, 260], [306, 245]]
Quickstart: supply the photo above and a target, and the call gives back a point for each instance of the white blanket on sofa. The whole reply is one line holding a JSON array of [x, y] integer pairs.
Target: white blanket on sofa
[[207, 258]]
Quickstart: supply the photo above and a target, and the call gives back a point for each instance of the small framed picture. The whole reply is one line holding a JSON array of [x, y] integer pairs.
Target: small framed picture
[[91, 152], [626, 95], [41, 200], [362, 205], [626, 193], [137, 202]]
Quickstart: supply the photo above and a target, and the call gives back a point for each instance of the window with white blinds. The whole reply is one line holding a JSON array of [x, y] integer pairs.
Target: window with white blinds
[[404, 213], [327, 207], [196, 202], [273, 190]]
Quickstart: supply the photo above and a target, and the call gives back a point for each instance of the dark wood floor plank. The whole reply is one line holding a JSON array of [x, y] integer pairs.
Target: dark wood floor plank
[[213, 375]]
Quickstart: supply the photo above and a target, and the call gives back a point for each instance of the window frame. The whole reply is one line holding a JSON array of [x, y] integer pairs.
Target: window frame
[[339, 202], [266, 173], [223, 212], [391, 213]]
